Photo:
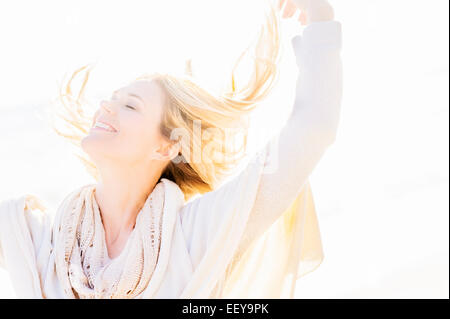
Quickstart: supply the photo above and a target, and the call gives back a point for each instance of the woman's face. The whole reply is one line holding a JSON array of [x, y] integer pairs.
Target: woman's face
[[132, 116]]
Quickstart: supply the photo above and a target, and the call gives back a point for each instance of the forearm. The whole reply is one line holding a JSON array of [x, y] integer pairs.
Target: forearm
[[313, 124], [309, 131], [316, 110]]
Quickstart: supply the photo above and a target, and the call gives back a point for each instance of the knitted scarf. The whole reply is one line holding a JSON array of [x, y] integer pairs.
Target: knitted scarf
[[67, 257], [82, 263]]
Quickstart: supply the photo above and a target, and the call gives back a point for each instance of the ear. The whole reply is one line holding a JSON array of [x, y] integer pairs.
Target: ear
[[167, 151]]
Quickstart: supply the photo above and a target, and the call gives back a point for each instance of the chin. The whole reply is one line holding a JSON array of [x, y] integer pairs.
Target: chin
[[100, 150], [93, 146]]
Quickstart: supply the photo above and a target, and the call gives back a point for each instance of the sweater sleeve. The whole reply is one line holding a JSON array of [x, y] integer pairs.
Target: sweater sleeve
[[24, 241], [309, 131]]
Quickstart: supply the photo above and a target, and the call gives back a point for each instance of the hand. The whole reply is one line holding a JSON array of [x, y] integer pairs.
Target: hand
[[310, 10]]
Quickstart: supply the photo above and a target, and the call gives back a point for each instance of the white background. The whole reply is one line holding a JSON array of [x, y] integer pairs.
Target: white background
[[381, 190]]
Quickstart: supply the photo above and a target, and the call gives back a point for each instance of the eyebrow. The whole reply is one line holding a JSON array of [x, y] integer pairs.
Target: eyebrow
[[130, 94]]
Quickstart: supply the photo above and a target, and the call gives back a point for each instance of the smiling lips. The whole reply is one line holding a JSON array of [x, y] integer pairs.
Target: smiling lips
[[104, 126]]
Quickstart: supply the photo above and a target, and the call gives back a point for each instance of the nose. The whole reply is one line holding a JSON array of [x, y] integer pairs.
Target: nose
[[106, 106]]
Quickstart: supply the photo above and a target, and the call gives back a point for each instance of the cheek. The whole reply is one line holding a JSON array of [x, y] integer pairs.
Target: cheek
[[137, 138], [133, 141]]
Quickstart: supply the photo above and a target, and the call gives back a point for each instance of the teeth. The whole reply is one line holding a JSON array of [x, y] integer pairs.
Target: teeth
[[101, 125]]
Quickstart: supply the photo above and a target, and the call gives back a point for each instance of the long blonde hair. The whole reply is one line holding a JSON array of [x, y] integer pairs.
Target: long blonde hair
[[189, 104]]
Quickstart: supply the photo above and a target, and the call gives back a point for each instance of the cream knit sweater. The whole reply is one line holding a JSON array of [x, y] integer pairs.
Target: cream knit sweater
[[252, 237]]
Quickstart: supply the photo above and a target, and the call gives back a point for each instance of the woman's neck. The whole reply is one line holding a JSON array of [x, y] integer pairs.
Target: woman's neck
[[120, 195]]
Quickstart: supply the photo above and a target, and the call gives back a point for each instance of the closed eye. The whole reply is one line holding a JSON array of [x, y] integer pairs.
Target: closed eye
[[130, 107]]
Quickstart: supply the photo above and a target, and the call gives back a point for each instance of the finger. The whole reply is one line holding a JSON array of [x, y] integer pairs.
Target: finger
[[289, 9], [280, 4], [302, 17], [301, 4]]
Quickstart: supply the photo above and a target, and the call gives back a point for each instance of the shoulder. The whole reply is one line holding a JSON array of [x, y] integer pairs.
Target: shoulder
[[30, 206], [24, 216]]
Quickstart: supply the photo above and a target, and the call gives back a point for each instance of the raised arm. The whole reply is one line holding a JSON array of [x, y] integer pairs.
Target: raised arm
[[302, 142], [312, 126]]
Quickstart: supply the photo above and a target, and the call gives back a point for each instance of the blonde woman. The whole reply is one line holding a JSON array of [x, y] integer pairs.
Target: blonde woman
[[160, 222]]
